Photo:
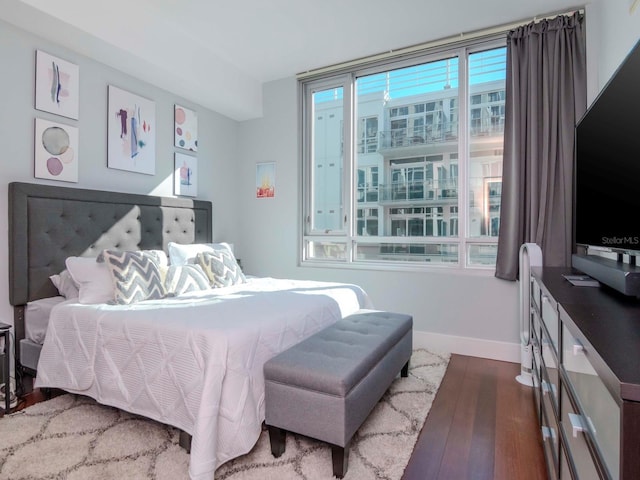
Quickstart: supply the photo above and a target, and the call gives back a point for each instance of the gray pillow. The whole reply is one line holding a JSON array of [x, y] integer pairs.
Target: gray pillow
[[136, 276], [181, 279], [221, 267]]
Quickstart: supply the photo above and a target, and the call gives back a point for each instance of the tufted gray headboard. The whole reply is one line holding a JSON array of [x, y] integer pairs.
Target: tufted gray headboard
[[47, 224]]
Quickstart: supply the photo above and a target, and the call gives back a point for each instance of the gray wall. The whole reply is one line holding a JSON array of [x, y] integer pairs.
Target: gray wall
[[611, 33], [217, 152]]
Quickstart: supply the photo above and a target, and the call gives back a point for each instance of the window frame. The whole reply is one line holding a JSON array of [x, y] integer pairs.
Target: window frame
[[346, 78]]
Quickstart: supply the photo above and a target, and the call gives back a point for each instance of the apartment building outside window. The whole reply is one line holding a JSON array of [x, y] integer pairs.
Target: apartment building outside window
[[403, 161]]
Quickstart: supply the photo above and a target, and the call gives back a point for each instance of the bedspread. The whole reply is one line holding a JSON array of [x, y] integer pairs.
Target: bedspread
[[193, 362]]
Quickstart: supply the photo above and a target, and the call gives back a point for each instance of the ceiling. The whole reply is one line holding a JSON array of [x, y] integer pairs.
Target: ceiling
[[218, 54]]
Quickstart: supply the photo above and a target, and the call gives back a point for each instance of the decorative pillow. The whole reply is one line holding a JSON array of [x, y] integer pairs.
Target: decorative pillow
[[135, 276], [159, 256], [182, 254], [65, 284], [93, 279], [181, 279], [221, 267]]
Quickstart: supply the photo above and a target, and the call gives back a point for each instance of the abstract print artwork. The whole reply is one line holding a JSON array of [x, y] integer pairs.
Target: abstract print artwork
[[185, 128], [56, 151], [186, 175], [131, 132], [265, 180], [57, 85]]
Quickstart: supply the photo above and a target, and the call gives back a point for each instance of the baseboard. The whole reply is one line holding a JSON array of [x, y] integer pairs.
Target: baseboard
[[473, 347]]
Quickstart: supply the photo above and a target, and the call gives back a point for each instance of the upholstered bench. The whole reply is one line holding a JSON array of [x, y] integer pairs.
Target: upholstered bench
[[325, 386]]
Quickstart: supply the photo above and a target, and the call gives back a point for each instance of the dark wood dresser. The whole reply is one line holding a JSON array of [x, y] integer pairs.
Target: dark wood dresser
[[586, 369]]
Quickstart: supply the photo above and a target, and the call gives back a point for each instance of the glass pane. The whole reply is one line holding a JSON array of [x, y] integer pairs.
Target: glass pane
[[326, 250], [486, 140], [482, 255], [438, 253], [408, 120], [327, 162]]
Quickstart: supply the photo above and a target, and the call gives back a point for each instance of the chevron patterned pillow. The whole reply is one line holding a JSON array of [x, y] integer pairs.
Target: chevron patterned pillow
[[136, 276], [181, 279], [158, 256], [221, 267]]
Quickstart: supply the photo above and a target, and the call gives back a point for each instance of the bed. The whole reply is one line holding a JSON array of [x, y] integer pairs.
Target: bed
[[193, 361]]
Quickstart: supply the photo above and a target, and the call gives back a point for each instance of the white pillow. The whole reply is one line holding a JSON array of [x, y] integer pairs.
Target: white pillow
[[182, 254], [65, 284], [93, 279]]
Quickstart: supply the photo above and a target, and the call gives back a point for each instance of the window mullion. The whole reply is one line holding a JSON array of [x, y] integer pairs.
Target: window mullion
[[350, 144], [463, 154]]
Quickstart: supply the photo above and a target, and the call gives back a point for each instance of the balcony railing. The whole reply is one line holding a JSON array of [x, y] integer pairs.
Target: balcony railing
[[409, 191], [406, 137], [433, 134], [487, 126]]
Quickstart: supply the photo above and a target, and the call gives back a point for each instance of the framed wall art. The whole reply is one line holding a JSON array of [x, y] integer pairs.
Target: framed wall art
[[185, 128], [185, 175], [55, 151], [265, 180], [57, 85], [131, 132]]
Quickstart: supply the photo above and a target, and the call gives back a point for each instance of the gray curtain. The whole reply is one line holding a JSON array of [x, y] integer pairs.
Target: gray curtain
[[545, 97]]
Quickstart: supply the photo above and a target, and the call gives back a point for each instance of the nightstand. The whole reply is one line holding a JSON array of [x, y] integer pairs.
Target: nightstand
[[5, 334]]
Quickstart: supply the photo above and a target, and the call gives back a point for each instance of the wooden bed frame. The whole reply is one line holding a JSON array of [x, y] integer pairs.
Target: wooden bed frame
[[47, 224]]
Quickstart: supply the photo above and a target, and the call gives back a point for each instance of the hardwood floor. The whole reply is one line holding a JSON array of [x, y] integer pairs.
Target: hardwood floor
[[482, 425]]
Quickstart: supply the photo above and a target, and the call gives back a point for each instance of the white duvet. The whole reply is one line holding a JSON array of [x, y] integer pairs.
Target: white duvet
[[194, 362]]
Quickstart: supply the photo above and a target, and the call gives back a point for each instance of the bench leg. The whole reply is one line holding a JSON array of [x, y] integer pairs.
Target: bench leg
[[185, 441], [405, 370], [278, 439], [340, 459]]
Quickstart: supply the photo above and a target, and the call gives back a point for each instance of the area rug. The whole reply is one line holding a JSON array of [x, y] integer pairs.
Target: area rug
[[72, 437]]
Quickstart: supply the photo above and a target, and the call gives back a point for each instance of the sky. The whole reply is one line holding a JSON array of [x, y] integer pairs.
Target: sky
[[484, 66]]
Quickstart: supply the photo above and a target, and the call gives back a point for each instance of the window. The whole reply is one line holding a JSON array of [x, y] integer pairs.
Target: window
[[368, 137], [403, 161]]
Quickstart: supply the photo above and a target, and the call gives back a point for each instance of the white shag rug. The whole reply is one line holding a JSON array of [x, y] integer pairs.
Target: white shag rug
[[72, 437]]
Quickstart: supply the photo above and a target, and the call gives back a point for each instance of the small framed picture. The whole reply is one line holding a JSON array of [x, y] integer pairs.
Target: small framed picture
[[265, 180], [185, 175], [55, 151], [57, 85], [185, 128]]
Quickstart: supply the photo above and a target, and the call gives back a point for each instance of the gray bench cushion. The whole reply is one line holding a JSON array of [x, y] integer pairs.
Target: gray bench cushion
[[334, 360], [326, 386]]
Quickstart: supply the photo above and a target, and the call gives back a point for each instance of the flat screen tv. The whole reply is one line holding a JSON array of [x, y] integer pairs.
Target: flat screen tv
[[607, 164], [607, 181]]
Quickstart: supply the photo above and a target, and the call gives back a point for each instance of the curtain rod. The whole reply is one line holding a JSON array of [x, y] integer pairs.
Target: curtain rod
[[423, 47]]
